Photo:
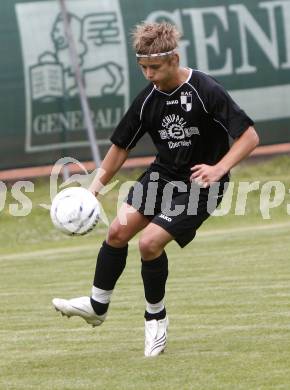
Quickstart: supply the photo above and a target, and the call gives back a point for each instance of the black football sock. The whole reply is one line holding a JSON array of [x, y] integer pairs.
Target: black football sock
[[154, 274], [110, 264], [155, 316]]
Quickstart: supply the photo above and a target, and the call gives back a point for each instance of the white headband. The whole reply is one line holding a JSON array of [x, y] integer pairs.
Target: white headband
[[155, 54]]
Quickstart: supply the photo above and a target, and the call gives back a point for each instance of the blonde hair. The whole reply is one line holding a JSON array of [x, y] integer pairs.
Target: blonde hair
[[152, 38]]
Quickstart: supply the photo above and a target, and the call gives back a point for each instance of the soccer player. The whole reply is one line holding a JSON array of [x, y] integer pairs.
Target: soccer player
[[189, 117]]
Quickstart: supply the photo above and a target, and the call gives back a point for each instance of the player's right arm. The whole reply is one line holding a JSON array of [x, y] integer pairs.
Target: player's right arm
[[126, 135], [111, 164]]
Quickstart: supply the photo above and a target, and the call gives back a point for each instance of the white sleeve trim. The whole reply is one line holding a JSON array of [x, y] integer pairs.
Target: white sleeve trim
[[203, 105], [140, 117]]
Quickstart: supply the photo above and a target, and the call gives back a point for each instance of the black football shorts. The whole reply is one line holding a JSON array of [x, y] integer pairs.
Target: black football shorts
[[178, 207]]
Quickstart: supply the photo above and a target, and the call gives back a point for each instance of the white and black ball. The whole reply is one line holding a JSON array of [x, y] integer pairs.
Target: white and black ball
[[75, 211]]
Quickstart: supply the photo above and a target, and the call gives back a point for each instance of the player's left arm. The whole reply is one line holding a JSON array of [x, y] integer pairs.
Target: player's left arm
[[205, 174]]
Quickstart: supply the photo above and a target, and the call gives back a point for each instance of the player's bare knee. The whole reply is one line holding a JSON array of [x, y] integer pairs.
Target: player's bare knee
[[116, 236], [149, 248]]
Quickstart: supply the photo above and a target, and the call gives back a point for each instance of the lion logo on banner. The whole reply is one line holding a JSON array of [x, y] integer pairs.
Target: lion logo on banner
[[95, 38]]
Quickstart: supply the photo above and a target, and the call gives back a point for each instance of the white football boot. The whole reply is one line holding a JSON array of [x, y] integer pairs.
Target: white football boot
[[79, 307], [155, 336]]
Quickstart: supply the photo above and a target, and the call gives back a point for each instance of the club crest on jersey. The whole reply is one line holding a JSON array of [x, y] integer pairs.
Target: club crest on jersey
[[186, 101]]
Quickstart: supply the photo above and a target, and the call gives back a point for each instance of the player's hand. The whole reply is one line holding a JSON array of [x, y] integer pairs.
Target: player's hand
[[205, 175]]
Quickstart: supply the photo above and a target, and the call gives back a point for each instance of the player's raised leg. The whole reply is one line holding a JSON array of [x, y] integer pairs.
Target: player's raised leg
[[154, 274], [110, 264]]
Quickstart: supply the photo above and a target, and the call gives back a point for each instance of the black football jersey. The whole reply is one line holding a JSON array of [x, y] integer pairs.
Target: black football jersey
[[189, 125]]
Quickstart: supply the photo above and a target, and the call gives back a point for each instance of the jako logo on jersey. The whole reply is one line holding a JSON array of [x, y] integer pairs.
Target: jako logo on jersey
[[186, 101], [171, 102], [165, 217]]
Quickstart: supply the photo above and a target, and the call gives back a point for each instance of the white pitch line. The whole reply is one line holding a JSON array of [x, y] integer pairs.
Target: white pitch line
[[244, 229], [90, 247]]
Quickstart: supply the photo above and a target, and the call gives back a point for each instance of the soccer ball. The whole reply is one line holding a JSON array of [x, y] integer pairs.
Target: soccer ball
[[75, 210]]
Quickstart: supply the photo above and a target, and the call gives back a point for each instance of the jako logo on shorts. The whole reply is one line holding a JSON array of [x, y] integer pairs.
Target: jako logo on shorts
[[165, 217]]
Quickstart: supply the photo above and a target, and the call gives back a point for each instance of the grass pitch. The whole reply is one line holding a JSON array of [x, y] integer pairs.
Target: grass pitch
[[228, 300]]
